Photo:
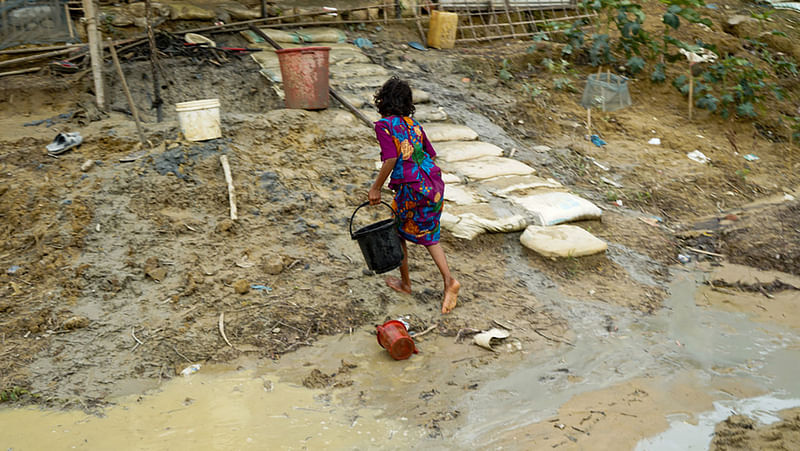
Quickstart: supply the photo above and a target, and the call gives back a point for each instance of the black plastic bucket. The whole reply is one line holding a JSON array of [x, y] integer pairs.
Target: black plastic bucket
[[379, 242]]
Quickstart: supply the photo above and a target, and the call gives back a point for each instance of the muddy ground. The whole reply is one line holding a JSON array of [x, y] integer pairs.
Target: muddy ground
[[123, 270]]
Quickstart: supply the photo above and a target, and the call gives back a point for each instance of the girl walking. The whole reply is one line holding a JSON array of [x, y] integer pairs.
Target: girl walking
[[408, 157]]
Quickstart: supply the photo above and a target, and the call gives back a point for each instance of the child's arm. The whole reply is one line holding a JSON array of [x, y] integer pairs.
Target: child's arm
[[375, 190]]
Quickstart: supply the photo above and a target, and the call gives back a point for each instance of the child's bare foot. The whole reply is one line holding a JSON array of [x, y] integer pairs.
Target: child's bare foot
[[398, 285], [450, 296]]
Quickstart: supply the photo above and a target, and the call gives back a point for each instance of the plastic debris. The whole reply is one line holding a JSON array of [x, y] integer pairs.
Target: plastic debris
[[484, 339], [698, 156], [262, 288], [13, 269], [64, 142], [363, 43], [191, 369], [416, 45], [751, 157], [684, 258], [654, 141], [597, 141]]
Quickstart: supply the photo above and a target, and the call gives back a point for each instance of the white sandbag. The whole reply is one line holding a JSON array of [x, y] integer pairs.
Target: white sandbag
[[503, 186], [357, 70], [450, 132], [418, 96], [561, 241], [275, 35], [466, 150], [321, 35], [470, 225], [489, 167], [356, 83], [188, 11], [461, 195], [346, 56], [556, 208], [450, 178], [430, 113]]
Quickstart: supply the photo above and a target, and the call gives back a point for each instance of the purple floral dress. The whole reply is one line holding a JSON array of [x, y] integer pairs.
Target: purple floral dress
[[416, 180]]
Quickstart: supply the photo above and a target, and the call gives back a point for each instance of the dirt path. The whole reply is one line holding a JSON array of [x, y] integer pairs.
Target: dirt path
[[115, 276]]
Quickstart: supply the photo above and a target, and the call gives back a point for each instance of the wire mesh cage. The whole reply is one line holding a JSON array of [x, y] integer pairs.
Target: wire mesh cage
[[34, 22], [606, 92]]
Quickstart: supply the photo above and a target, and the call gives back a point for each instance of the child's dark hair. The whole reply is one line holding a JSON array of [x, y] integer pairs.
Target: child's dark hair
[[394, 98]]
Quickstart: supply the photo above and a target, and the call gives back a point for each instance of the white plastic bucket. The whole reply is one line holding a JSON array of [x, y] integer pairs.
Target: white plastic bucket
[[199, 119]]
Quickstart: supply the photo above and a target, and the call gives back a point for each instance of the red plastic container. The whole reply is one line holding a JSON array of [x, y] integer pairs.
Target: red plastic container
[[305, 77], [393, 337]]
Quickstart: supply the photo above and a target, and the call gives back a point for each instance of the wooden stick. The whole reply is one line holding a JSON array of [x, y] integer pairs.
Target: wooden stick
[[41, 56], [333, 93], [127, 91], [69, 21], [222, 328], [691, 91], [589, 120], [425, 331], [95, 51], [700, 251], [154, 67], [21, 71], [49, 48], [226, 168]]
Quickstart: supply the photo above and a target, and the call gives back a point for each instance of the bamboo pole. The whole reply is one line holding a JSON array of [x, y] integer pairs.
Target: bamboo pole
[[134, 112], [69, 21], [21, 71], [226, 168], [27, 59], [154, 67], [691, 91], [95, 51]]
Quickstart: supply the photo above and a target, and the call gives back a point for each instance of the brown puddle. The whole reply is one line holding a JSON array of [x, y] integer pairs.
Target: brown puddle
[[211, 409]]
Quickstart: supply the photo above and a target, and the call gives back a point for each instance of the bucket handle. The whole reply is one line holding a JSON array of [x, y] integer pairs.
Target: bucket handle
[[364, 205]]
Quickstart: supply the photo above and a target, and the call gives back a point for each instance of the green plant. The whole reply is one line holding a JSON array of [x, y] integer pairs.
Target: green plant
[[742, 173], [505, 73], [555, 68], [532, 91], [564, 84], [12, 394]]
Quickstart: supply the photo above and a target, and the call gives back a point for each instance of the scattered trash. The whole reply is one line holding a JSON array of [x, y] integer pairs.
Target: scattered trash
[[63, 142], [64, 67], [751, 157], [599, 165], [13, 269], [654, 141], [684, 258], [393, 336], [133, 157], [650, 221], [559, 426], [484, 339], [194, 38], [618, 202], [416, 45], [363, 43], [262, 288], [87, 165], [788, 197], [465, 80], [191, 369], [610, 182], [597, 141], [698, 156]]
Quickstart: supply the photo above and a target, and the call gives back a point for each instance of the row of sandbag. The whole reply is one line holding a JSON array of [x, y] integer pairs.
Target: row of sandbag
[[540, 206]]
